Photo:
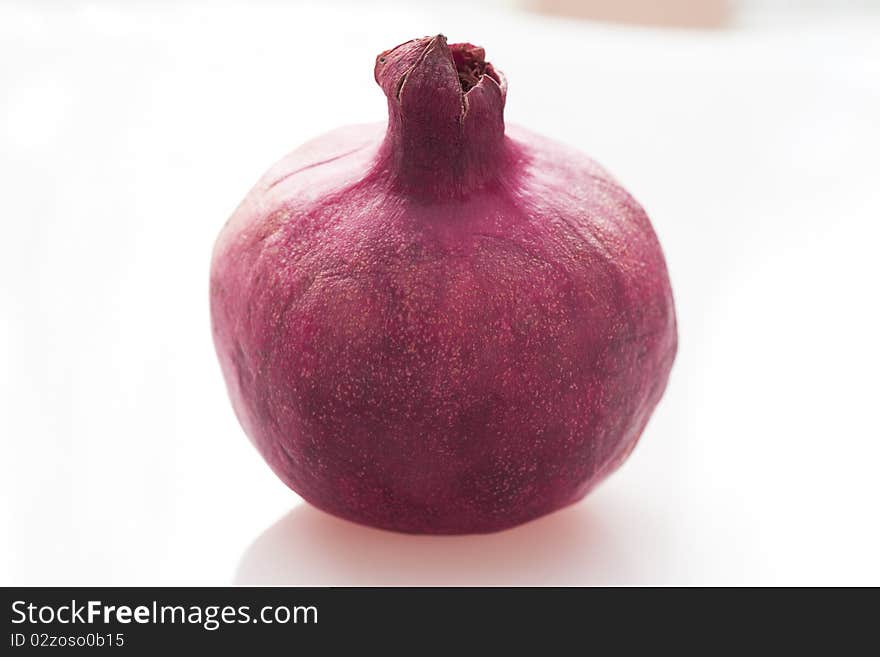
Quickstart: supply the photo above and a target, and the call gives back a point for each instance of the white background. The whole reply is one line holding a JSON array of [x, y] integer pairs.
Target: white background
[[128, 134]]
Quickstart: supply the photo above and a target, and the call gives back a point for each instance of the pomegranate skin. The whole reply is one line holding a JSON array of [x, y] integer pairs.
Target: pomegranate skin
[[441, 325]]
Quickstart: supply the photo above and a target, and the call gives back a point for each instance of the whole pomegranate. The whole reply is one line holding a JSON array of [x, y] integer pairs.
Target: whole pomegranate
[[439, 325]]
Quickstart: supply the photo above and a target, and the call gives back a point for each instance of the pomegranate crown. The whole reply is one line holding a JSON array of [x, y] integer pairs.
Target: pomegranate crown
[[445, 115]]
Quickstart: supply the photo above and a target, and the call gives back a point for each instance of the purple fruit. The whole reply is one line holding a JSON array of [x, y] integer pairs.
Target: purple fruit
[[441, 326]]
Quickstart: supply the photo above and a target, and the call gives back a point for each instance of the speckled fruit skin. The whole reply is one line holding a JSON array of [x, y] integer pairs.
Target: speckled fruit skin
[[439, 325]]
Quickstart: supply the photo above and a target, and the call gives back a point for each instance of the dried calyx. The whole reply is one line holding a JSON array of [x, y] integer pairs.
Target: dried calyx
[[471, 65], [445, 116]]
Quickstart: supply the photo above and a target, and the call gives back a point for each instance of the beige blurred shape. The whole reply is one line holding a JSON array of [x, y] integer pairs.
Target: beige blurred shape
[[663, 13]]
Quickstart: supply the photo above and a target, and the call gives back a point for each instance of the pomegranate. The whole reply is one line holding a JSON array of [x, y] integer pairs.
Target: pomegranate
[[441, 325]]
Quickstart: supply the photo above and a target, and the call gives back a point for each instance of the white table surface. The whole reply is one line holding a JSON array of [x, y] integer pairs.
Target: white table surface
[[128, 134]]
